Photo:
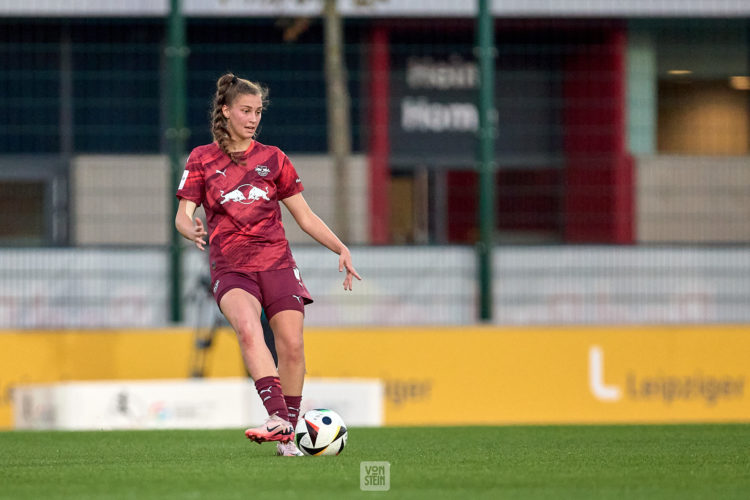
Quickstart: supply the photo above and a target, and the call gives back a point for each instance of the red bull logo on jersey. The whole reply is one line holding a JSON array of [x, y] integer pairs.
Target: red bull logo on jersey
[[245, 194]]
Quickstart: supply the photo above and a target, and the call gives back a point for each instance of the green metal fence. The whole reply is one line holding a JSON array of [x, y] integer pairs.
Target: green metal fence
[[626, 134]]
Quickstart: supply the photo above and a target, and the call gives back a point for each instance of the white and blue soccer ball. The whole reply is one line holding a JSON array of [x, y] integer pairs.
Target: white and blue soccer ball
[[320, 432]]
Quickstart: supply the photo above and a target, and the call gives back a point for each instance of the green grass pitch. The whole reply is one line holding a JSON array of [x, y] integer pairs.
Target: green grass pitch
[[675, 461]]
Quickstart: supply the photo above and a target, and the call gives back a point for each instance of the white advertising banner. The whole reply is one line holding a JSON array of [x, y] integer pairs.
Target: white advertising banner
[[621, 285], [89, 288], [182, 404], [533, 285]]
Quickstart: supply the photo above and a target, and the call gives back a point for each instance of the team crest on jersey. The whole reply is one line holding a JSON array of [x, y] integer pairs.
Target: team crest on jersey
[[245, 194], [262, 170]]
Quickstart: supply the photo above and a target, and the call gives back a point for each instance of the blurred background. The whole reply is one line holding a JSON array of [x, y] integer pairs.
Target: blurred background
[[613, 192]]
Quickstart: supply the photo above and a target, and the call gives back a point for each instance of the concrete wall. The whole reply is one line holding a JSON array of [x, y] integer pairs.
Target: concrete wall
[[318, 177], [126, 199], [693, 199], [120, 200]]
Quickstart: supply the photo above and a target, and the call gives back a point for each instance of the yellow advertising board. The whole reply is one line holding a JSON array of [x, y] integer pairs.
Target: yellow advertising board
[[451, 376], [30, 357], [547, 375]]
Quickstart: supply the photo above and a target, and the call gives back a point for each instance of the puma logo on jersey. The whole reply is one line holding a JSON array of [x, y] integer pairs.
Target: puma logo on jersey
[[245, 194], [222, 172]]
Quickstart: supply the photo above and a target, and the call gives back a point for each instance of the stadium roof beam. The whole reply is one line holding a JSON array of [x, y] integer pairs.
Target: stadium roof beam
[[380, 8]]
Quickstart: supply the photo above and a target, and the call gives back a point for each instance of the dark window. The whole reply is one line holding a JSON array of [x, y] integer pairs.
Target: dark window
[[22, 212]]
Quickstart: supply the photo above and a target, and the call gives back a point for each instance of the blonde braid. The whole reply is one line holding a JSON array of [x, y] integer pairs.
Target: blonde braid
[[219, 128], [228, 87]]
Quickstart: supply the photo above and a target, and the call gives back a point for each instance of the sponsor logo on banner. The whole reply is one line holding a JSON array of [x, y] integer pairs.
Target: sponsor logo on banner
[[403, 391], [664, 387], [599, 388]]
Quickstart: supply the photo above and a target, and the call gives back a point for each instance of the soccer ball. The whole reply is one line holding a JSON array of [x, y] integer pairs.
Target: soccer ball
[[320, 432]]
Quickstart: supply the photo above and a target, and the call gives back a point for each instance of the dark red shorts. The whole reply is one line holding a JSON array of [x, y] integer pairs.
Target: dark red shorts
[[277, 290]]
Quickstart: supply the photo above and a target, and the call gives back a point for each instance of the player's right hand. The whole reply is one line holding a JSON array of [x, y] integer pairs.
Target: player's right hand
[[198, 234]]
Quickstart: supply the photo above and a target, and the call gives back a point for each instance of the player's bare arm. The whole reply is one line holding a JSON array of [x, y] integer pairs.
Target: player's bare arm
[[313, 225], [190, 228]]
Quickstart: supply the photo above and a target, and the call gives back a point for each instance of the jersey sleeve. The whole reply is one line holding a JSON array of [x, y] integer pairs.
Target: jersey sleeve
[[192, 186], [288, 183]]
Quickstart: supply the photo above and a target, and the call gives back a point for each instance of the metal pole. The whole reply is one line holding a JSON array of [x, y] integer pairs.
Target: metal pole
[[62, 223], [486, 156], [176, 53], [339, 119]]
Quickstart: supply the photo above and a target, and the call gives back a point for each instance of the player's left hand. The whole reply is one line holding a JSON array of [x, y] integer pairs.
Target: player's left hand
[[345, 262]]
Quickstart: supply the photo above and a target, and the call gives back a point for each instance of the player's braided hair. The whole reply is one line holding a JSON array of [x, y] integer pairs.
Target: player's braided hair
[[228, 87]]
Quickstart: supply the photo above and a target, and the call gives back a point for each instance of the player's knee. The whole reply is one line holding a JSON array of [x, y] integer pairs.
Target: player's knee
[[292, 348], [249, 335], [295, 359]]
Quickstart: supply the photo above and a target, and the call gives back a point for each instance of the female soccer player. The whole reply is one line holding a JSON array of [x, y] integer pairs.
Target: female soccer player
[[240, 183]]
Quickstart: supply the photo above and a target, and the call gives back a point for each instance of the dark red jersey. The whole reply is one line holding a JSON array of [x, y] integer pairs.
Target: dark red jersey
[[242, 205]]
